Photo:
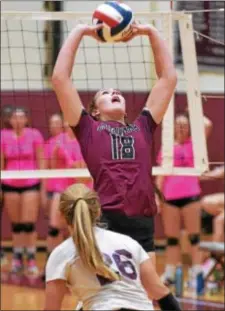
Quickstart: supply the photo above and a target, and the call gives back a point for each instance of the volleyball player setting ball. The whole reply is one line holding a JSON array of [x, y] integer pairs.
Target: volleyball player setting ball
[[118, 155], [103, 269]]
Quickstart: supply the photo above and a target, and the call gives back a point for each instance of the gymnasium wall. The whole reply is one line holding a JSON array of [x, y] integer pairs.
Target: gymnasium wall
[[45, 103]]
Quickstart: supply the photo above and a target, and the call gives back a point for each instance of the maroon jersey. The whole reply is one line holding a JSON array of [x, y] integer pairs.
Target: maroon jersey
[[119, 159]]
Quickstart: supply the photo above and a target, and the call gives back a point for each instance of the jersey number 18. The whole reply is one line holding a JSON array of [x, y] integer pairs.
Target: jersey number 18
[[122, 147]]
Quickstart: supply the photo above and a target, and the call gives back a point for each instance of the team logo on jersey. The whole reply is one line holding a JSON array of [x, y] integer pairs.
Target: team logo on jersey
[[118, 131]]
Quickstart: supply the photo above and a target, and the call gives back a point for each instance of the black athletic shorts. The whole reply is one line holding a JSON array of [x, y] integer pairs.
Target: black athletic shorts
[[139, 228], [180, 203], [7, 188]]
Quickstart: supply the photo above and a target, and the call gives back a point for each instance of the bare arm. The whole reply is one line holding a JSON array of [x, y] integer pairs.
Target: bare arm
[[2, 160], [67, 94], [54, 294], [2, 168], [217, 172], [160, 95], [159, 197], [40, 158], [155, 288], [159, 182], [151, 281], [42, 164], [163, 90], [208, 126]]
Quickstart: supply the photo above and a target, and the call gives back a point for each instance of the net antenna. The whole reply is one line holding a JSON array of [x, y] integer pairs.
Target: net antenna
[[121, 67]]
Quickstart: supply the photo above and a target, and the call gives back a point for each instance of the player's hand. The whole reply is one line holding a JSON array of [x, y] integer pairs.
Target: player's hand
[[139, 30], [90, 30]]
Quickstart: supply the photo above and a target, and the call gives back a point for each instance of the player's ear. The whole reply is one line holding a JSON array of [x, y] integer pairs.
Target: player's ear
[[71, 230], [99, 213], [95, 113]]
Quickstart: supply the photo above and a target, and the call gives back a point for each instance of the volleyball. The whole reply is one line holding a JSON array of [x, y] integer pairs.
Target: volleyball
[[116, 18]]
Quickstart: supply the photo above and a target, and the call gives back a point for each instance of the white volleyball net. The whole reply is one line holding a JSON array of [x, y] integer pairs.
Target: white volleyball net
[[29, 43]]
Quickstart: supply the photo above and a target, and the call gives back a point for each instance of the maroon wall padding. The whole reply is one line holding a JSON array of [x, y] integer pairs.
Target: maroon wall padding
[[42, 104]]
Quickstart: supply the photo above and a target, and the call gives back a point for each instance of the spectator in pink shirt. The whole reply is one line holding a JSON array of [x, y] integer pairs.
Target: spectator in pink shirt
[[182, 200], [22, 149], [62, 152], [53, 185], [55, 129], [6, 113]]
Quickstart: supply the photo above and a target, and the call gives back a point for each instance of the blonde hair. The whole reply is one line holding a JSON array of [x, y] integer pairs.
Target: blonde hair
[[81, 208]]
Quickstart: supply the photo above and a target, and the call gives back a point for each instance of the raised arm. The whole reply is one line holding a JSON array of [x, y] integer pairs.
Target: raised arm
[[161, 93], [67, 94], [163, 90]]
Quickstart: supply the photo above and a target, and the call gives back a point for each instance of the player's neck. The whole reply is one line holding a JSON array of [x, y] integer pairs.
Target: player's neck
[[109, 118]]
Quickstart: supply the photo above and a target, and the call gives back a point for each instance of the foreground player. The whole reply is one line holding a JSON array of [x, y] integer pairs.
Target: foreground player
[[105, 270], [118, 155]]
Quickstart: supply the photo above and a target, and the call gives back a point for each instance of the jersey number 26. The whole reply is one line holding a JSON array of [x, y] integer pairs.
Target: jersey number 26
[[125, 267]]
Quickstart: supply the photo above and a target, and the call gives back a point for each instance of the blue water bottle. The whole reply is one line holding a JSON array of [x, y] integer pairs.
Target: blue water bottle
[[200, 284], [179, 281]]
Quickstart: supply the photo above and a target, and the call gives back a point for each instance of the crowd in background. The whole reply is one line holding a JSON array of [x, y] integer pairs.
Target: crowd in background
[[24, 148]]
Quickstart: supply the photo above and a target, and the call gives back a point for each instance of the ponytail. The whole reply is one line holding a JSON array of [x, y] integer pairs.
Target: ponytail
[[85, 241], [82, 212]]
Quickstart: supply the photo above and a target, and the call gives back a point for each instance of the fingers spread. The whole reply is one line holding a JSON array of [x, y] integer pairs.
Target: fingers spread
[[98, 26]]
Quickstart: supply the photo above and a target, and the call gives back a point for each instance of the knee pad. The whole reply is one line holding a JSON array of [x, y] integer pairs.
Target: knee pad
[[17, 227], [28, 227], [172, 241], [53, 231], [194, 238]]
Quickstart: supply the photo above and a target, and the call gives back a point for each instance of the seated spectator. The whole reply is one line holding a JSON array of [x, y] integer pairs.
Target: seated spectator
[[214, 205]]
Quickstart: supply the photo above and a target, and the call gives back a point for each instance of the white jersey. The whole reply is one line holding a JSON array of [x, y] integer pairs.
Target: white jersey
[[123, 254]]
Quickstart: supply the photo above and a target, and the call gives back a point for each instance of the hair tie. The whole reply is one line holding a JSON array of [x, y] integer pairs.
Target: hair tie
[[75, 203]]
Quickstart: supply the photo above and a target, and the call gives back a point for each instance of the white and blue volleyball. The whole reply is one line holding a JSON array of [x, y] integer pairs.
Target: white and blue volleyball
[[116, 18]]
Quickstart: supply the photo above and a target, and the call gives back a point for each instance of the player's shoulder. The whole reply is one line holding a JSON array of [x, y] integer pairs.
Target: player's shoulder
[[118, 238], [146, 114], [85, 115], [64, 251]]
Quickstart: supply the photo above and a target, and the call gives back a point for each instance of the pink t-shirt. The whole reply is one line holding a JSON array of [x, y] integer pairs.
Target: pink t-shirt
[[49, 146], [178, 187], [68, 152], [20, 154]]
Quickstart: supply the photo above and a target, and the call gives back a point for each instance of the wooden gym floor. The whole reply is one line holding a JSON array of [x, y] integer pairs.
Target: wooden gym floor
[[22, 293]]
